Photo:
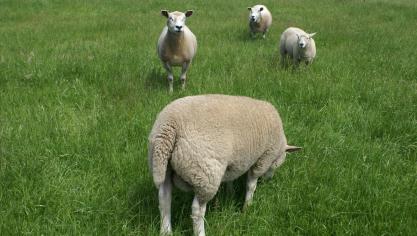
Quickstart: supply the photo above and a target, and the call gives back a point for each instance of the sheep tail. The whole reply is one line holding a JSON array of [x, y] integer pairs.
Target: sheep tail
[[160, 151]]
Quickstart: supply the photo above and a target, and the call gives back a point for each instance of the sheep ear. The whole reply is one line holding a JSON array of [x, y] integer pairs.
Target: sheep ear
[[290, 148], [164, 13], [311, 35], [189, 13], [261, 9], [250, 8]]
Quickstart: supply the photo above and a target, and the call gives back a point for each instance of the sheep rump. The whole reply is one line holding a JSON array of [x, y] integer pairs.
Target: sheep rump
[[204, 150]]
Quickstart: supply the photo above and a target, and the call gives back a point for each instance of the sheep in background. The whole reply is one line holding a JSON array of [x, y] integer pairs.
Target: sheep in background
[[197, 142], [177, 45], [260, 19], [297, 44]]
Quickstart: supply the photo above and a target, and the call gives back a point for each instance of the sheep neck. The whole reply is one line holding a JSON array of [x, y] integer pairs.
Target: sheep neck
[[258, 23], [175, 38]]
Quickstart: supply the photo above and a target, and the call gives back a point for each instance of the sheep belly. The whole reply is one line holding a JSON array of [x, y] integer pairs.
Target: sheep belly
[[175, 56], [256, 27], [177, 60], [234, 172], [239, 167]]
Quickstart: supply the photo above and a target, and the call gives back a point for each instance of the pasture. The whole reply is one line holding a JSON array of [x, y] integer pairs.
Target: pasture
[[81, 85]]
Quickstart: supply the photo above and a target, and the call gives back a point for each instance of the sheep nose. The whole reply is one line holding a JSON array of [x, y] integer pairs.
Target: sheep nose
[[178, 27], [252, 17]]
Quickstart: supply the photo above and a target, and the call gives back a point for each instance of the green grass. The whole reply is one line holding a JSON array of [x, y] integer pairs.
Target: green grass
[[81, 84]]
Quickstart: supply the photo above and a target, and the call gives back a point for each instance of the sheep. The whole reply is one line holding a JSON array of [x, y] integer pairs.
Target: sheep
[[177, 45], [299, 45], [197, 142], [260, 19]]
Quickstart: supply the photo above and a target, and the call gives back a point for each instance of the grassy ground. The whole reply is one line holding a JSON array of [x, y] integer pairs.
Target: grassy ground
[[81, 84]]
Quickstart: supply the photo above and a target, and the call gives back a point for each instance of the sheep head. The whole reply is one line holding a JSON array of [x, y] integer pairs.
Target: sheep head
[[176, 20], [255, 14], [304, 40], [280, 159]]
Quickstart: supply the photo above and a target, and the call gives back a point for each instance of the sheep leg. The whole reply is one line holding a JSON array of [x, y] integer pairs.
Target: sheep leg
[[183, 76], [198, 212], [283, 59], [264, 34], [283, 52], [250, 189], [165, 195], [269, 174], [296, 62], [252, 34], [168, 68], [229, 187]]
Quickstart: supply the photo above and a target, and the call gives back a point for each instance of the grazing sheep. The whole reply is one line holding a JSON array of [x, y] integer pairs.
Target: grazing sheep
[[260, 19], [197, 142], [299, 45], [177, 45]]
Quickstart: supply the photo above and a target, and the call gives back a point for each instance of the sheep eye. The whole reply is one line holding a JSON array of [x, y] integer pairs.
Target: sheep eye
[[171, 19]]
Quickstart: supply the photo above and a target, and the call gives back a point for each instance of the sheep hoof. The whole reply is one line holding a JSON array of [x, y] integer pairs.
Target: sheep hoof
[[245, 207], [166, 233], [216, 203], [171, 86]]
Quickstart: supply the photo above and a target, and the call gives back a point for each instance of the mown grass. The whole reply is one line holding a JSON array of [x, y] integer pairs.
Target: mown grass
[[81, 84]]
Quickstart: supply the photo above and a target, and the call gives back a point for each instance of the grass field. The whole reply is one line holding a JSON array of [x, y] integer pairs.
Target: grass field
[[81, 84]]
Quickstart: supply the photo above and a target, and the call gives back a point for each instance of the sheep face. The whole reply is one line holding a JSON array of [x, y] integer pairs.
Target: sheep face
[[304, 40], [255, 14], [275, 164], [279, 160], [176, 20]]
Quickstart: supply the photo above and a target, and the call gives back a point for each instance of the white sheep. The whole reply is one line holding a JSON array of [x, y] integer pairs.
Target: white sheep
[[260, 19], [197, 142], [177, 45], [298, 45]]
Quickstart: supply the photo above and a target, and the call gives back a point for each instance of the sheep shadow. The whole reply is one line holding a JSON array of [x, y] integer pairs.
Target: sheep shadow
[[156, 79], [231, 198], [143, 214], [143, 207], [274, 60], [275, 63], [245, 36]]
